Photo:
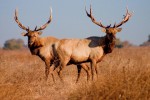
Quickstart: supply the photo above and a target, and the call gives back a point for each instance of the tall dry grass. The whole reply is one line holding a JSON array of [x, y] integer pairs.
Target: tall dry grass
[[123, 75]]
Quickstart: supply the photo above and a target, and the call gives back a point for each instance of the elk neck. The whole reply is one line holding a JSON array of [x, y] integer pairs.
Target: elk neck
[[35, 46], [109, 44]]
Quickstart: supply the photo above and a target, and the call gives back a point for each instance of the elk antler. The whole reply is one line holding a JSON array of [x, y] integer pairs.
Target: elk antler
[[45, 25], [125, 19], [93, 19], [19, 24]]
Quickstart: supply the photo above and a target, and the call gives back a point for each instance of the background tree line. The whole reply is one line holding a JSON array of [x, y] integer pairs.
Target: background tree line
[[16, 44]]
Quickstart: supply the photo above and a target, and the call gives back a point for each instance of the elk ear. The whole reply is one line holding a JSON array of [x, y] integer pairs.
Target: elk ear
[[103, 30], [40, 32], [24, 34], [119, 29]]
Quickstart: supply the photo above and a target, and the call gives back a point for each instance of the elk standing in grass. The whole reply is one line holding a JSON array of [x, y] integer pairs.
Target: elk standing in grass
[[92, 49], [39, 46]]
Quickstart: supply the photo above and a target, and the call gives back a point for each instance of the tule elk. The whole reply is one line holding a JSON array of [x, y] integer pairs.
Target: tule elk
[[91, 49], [40, 46]]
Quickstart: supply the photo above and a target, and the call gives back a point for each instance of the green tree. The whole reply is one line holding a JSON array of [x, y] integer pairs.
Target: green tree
[[14, 44]]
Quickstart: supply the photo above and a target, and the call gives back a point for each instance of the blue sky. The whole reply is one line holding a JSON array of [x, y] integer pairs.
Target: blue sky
[[70, 20]]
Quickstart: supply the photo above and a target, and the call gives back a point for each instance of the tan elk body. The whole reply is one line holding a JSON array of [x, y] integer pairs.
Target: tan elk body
[[92, 49]]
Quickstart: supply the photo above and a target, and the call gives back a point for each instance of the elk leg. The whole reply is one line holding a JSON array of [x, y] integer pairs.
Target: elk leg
[[47, 72], [88, 75], [92, 70], [53, 77], [93, 65], [87, 71], [60, 72], [60, 76], [86, 68], [51, 71], [79, 72], [96, 71], [47, 67]]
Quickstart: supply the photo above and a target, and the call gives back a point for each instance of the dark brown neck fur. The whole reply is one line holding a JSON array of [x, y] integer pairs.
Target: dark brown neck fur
[[109, 45], [34, 48]]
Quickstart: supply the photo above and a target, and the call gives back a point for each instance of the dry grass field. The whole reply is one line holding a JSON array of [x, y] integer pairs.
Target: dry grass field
[[123, 75]]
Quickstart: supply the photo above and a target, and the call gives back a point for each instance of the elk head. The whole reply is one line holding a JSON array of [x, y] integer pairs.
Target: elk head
[[110, 31], [32, 34]]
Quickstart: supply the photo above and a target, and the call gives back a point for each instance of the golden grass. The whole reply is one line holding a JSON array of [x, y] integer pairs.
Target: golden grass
[[123, 74]]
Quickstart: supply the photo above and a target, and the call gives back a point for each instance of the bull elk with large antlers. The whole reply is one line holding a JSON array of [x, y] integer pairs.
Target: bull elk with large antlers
[[39, 46], [92, 49]]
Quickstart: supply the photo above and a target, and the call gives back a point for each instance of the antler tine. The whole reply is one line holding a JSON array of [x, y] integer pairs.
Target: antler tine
[[35, 28], [125, 19], [46, 24], [87, 12], [92, 17], [109, 26], [19, 23]]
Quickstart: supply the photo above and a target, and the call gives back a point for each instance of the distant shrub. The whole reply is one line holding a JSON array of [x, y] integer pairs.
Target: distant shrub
[[119, 43], [14, 44], [147, 43], [122, 44], [149, 38]]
